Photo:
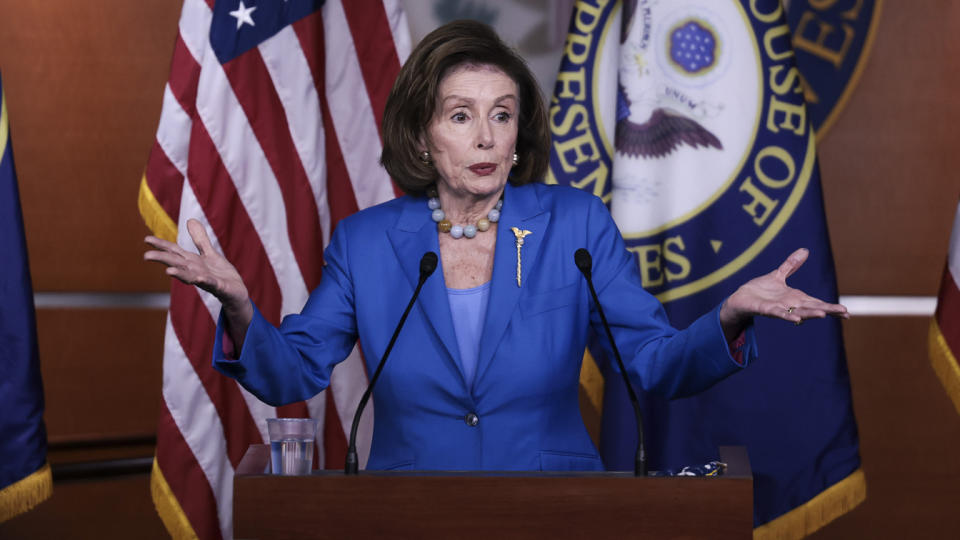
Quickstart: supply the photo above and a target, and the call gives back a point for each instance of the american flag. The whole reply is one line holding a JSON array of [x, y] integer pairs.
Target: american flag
[[944, 340], [269, 135]]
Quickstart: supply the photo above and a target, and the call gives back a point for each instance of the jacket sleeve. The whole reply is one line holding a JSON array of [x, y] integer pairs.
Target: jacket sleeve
[[657, 357], [293, 363]]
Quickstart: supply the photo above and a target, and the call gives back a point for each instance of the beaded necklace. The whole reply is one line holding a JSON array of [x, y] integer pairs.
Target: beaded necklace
[[459, 231]]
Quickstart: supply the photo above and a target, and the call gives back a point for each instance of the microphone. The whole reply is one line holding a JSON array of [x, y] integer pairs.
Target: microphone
[[428, 263], [585, 264]]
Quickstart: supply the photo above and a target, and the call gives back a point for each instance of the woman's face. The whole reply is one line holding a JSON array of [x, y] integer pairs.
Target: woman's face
[[473, 133]]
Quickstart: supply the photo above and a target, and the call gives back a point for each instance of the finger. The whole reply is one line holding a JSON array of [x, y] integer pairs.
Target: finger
[[790, 313], [199, 236], [164, 245], [163, 257], [827, 308], [181, 274], [815, 309], [793, 262]]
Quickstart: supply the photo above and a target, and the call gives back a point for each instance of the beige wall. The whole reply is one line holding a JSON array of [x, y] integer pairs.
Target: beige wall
[[84, 82]]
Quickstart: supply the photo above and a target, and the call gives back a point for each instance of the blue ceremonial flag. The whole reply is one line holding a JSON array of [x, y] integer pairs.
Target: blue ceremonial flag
[[832, 41], [688, 118], [25, 478]]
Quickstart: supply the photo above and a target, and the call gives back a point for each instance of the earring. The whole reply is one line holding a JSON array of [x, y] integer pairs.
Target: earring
[[425, 157], [516, 160]]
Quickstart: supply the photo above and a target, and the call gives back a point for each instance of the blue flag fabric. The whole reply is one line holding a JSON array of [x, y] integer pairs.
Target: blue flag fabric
[[832, 42], [229, 42], [25, 478], [688, 118]]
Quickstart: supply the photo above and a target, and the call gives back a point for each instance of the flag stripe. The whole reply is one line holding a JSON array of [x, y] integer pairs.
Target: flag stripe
[[190, 207], [185, 478], [237, 157], [195, 27], [165, 181], [194, 410], [349, 378], [343, 202], [293, 79], [192, 326], [353, 119], [948, 311], [173, 122], [221, 204], [397, 25], [377, 57], [379, 64], [184, 77], [257, 96], [335, 443]]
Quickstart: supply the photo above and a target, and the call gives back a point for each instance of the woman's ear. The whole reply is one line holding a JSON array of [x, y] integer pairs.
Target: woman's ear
[[423, 152]]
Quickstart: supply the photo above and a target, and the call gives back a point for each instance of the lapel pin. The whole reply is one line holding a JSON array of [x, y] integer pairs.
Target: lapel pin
[[520, 236]]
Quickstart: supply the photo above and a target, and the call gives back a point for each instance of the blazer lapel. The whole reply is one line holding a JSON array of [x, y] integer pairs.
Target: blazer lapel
[[521, 209], [414, 235]]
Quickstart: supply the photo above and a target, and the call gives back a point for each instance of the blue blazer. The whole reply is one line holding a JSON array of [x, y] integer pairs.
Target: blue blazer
[[525, 393]]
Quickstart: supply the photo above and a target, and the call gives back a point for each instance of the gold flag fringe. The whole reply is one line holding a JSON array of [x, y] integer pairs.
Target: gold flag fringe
[[944, 363], [26, 493], [154, 215], [807, 518], [591, 396], [169, 509]]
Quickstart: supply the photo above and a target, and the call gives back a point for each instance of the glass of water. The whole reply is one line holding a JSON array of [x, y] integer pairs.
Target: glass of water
[[291, 445]]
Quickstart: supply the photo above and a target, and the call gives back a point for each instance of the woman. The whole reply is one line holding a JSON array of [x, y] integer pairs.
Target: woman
[[485, 373]]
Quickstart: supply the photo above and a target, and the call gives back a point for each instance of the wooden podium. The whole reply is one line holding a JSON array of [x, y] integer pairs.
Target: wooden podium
[[382, 504]]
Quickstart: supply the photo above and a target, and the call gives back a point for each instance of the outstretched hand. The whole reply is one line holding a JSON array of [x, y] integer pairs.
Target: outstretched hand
[[770, 296], [207, 269]]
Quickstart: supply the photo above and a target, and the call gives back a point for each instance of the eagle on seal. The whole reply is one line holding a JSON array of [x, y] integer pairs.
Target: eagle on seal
[[664, 129]]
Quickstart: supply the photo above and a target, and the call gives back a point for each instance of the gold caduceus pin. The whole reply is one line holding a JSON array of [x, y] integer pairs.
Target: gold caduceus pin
[[520, 236]]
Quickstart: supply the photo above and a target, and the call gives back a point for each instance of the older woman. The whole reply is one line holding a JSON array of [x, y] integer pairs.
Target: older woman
[[485, 373]]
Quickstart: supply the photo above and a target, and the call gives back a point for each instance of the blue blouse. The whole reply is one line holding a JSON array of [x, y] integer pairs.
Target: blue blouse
[[468, 307]]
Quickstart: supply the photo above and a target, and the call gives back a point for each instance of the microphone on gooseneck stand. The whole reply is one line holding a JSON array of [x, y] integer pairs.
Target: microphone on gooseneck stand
[[428, 263], [585, 264]]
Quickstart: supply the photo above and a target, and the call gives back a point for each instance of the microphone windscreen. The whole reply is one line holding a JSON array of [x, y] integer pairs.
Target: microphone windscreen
[[583, 260], [428, 263]]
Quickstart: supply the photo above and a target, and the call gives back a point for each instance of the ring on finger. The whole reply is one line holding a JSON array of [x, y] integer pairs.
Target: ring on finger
[[791, 309]]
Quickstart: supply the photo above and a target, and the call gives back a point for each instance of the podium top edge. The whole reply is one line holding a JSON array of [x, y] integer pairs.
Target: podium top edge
[[329, 473]]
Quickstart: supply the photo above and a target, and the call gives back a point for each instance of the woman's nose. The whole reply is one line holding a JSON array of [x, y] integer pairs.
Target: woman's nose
[[484, 136]]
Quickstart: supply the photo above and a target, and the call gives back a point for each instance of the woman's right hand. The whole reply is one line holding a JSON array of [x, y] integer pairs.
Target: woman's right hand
[[208, 270]]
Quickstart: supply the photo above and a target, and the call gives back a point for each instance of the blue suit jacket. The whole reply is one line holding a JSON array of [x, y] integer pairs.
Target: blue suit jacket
[[526, 388]]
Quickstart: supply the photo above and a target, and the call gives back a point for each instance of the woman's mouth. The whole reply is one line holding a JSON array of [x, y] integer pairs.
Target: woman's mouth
[[483, 169]]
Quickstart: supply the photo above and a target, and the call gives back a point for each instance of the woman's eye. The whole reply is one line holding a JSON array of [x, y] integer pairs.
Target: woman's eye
[[459, 117], [503, 116]]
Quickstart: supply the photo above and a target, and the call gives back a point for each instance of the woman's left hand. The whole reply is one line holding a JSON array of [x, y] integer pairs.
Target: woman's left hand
[[770, 295]]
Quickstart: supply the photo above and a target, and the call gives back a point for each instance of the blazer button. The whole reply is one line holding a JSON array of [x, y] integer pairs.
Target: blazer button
[[471, 419]]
